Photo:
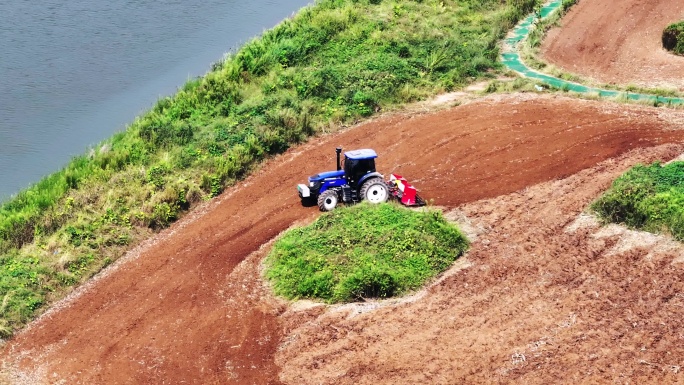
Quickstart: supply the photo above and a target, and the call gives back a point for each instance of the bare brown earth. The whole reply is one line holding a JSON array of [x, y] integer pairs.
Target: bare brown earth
[[544, 297], [618, 42], [539, 304]]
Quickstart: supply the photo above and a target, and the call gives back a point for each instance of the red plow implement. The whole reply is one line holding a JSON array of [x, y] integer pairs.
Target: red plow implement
[[401, 189]]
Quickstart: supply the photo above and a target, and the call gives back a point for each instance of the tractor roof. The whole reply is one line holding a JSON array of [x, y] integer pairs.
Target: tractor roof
[[361, 154]]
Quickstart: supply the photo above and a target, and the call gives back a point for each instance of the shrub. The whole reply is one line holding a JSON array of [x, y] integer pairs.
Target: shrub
[[673, 38]]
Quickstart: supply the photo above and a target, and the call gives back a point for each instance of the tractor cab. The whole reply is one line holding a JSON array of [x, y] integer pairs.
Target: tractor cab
[[357, 164]]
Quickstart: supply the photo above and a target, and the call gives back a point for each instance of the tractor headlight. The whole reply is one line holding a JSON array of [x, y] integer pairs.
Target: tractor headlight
[[311, 184]]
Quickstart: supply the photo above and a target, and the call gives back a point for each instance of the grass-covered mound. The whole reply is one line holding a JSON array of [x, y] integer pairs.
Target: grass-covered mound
[[673, 38], [330, 65], [649, 198], [363, 251]]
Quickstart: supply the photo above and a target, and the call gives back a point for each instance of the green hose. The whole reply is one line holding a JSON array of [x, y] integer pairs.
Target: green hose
[[511, 59]]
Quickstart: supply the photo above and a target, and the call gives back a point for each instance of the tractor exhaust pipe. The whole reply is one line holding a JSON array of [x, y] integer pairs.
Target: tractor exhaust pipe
[[338, 150]]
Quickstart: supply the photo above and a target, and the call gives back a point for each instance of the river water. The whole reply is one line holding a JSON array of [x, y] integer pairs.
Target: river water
[[74, 72]]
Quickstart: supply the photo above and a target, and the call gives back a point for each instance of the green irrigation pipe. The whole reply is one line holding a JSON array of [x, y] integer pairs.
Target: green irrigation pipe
[[510, 57]]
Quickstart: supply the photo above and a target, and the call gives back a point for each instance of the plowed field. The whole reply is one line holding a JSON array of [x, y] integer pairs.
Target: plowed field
[[536, 300], [618, 42]]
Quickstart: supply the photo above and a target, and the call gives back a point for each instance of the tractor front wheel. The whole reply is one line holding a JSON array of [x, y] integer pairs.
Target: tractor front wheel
[[374, 190], [328, 200]]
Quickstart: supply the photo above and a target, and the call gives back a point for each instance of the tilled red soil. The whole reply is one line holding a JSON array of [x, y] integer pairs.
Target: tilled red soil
[[544, 298], [189, 307], [618, 42]]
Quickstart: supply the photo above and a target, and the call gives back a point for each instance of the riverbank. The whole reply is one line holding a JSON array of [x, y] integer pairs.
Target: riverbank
[[75, 73]]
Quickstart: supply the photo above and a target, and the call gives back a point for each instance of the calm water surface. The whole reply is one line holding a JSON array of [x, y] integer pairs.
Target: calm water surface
[[74, 72]]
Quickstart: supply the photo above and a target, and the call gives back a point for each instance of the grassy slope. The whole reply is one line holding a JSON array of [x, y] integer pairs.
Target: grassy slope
[[650, 198], [330, 65], [363, 251]]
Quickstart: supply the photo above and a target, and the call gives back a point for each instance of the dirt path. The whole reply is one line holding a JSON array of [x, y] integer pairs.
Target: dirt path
[[190, 307], [618, 43]]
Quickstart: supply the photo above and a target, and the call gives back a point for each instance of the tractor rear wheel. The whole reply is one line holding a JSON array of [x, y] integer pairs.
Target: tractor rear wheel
[[374, 190], [328, 200]]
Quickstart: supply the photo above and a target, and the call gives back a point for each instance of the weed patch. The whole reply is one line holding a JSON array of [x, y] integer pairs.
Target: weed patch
[[363, 251], [649, 198]]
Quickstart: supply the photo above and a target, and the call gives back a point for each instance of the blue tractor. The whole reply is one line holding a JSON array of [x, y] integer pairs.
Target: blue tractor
[[356, 182]]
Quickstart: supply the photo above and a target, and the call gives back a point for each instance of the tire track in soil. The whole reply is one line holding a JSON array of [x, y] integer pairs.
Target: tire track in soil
[[174, 313]]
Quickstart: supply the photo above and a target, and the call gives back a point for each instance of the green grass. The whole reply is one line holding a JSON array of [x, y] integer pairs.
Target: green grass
[[673, 38], [331, 65], [649, 198], [363, 251]]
